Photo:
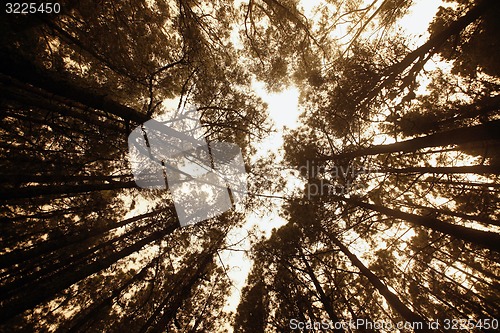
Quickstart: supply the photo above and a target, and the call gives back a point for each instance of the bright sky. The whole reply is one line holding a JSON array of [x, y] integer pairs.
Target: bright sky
[[418, 19], [283, 108]]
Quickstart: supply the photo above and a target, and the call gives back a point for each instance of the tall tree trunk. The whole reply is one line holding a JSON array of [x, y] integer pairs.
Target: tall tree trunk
[[44, 215], [81, 323], [54, 286], [431, 46], [18, 256], [421, 284], [173, 301], [465, 297], [47, 178], [472, 264], [54, 190], [25, 94], [389, 296], [483, 108], [25, 71], [31, 274], [481, 219], [476, 169], [486, 239], [462, 183], [325, 300], [483, 132]]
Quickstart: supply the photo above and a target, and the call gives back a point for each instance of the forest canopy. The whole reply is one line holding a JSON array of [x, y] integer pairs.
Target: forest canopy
[[387, 188]]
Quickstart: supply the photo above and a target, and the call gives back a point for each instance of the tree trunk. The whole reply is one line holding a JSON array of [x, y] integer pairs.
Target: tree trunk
[[483, 108], [389, 296], [43, 215], [476, 169], [480, 219], [485, 186], [98, 309], [428, 48], [325, 300], [53, 190], [50, 288], [483, 132], [25, 94], [18, 256], [25, 71], [175, 298], [47, 178], [486, 239], [33, 274]]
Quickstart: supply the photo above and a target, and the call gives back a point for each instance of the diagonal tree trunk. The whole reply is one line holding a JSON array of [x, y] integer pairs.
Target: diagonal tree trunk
[[461, 215], [430, 47], [18, 256], [54, 286], [167, 310], [53, 190], [325, 300], [486, 239], [29, 275], [25, 71], [97, 309], [483, 132], [476, 169], [47, 178], [389, 296]]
